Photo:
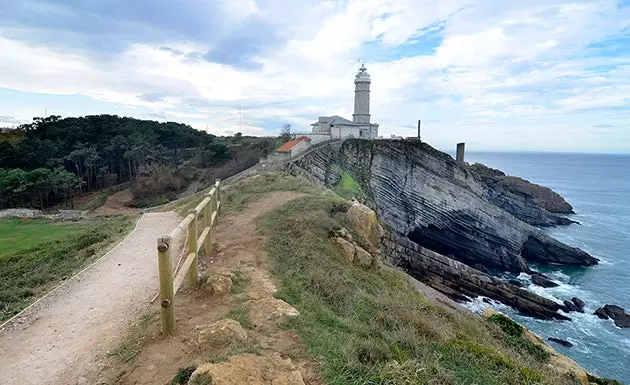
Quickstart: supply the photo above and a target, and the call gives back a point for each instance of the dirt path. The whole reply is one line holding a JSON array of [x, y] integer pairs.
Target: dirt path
[[238, 246], [70, 330], [117, 204]]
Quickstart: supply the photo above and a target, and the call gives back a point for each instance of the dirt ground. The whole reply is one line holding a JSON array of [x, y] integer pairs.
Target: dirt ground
[[65, 337], [117, 204], [237, 247]]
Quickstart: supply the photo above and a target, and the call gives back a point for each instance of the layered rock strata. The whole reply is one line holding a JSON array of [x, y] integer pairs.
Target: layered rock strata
[[422, 195]]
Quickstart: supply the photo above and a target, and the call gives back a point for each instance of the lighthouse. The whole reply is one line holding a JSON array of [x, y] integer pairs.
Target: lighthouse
[[361, 97], [336, 127]]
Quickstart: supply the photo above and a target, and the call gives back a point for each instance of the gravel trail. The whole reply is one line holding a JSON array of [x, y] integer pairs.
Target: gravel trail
[[71, 330]]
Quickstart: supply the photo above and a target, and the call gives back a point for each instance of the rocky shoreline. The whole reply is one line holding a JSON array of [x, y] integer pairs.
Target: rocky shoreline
[[448, 223]]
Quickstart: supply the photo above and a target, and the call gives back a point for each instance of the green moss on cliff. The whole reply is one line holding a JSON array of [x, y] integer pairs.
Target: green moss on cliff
[[348, 187]]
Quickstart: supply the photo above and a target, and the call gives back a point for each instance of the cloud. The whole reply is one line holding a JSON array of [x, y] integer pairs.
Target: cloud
[[515, 75]]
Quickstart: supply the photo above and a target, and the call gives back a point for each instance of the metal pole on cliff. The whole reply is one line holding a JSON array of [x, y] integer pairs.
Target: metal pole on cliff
[[419, 129]]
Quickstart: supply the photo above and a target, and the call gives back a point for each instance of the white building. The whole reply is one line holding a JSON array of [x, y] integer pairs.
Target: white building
[[336, 127]]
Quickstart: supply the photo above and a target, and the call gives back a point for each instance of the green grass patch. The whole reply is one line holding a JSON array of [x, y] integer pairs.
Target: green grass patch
[[240, 314], [372, 326], [235, 196], [47, 253], [22, 234], [513, 335], [347, 187], [239, 282]]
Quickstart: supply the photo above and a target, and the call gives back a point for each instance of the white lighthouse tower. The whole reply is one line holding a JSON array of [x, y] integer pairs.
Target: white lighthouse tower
[[336, 127], [362, 97]]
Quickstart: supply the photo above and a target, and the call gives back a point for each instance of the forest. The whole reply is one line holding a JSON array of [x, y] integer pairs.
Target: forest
[[52, 160]]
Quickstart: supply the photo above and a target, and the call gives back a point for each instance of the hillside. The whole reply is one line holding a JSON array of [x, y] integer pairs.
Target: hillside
[[53, 160], [335, 317]]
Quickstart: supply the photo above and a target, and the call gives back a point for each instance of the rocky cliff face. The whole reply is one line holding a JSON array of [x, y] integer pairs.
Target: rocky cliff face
[[423, 195], [529, 202]]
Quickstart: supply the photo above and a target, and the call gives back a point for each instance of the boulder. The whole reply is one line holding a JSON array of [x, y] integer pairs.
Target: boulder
[[363, 258], [578, 303], [515, 282], [248, 369], [619, 315], [569, 306], [218, 284], [366, 224], [560, 341], [543, 280], [221, 333], [347, 248], [342, 233], [601, 313]]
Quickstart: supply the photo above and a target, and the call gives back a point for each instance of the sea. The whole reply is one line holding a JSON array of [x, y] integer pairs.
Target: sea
[[598, 187]]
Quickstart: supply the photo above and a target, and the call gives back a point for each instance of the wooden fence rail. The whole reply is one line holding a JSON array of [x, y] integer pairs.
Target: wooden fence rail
[[170, 283]]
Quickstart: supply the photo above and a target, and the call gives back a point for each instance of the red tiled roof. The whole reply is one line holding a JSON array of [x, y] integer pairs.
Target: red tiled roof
[[292, 143]]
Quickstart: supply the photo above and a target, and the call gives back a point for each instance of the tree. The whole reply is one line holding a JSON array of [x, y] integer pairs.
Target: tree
[[285, 133]]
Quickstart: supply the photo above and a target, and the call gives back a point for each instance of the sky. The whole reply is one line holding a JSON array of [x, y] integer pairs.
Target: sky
[[535, 75]]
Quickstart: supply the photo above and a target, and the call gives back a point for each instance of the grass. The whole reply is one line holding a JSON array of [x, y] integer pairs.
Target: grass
[[135, 339], [234, 197], [371, 326], [240, 314], [21, 234], [44, 253]]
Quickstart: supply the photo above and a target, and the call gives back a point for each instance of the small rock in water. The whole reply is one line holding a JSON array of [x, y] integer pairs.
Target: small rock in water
[[619, 315], [543, 280], [561, 342], [515, 282], [578, 303], [486, 300], [601, 313], [569, 306]]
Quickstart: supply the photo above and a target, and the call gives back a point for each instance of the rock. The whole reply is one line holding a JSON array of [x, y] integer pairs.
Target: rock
[[569, 306], [342, 233], [486, 300], [515, 282], [528, 193], [601, 313], [579, 304], [560, 341], [365, 222], [421, 193], [218, 284], [221, 333], [291, 378], [363, 258], [618, 314], [454, 279], [248, 369], [543, 280], [347, 248], [271, 309]]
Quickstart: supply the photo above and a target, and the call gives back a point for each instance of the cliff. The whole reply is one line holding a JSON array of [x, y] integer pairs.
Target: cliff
[[423, 195], [529, 202]]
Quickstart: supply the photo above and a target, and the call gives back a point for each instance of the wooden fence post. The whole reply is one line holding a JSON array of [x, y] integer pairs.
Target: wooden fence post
[[217, 206], [193, 272], [166, 284], [207, 218]]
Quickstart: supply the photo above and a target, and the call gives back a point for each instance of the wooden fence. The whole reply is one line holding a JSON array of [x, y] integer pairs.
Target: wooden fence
[[170, 283]]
